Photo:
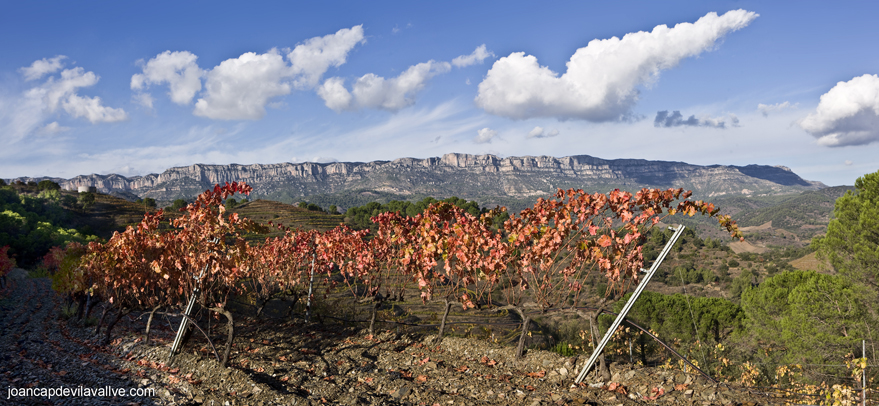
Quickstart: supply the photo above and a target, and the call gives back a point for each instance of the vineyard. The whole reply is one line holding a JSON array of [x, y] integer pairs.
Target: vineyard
[[534, 264]]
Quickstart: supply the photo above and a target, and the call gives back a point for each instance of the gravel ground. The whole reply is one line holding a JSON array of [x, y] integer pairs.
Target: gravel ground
[[293, 363], [36, 351]]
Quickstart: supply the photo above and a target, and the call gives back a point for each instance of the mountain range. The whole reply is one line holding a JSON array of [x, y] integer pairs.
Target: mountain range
[[488, 179]]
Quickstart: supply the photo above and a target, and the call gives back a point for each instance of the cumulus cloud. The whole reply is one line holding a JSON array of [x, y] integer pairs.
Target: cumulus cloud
[[601, 79], [54, 90], [312, 58], [239, 88], [539, 132], [42, 67], [27, 113], [765, 109], [478, 56], [61, 92], [848, 114], [375, 92], [91, 109], [178, 70], [335, 95], [372, 91], [676, 119], [484, 136]]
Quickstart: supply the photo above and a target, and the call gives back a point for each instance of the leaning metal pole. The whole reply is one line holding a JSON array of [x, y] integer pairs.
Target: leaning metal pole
[[628, 306], [310, 289], [184, 324]]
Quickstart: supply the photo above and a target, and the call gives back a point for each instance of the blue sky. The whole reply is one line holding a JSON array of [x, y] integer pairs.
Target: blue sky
[[136, 87]]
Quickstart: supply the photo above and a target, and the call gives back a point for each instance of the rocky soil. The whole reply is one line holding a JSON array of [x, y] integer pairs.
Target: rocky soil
[[294, 363]]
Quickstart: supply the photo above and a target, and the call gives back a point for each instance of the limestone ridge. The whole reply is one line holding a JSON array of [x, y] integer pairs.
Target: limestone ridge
[[468, 176]]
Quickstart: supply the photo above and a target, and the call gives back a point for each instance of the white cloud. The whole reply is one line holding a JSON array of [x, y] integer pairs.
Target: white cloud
[[848, 163], [19, 117], [42, 67], [848, 114], [407, 133], [143, 99], [26, 114], [601, 80], [765, 109], [62, 93], [177, 69], [397, 28], [485, 136], [676, 119], [53, 128], [53, 91], [734, 120], [539, 132], [334, 94], [312, 58], [239, 88], [371, 91], [92, 109], [323, 160], [478, 56], [375, 92], [450, 120]]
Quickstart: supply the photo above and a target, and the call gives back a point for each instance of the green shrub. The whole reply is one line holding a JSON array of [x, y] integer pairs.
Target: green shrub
[[87, 200], [177, 205], [564, 349], [48, 185]]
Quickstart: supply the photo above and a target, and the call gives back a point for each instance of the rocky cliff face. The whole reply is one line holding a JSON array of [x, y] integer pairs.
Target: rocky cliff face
[[462, 175]]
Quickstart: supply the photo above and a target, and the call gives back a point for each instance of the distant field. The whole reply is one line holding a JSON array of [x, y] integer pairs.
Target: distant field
[[811, 262]]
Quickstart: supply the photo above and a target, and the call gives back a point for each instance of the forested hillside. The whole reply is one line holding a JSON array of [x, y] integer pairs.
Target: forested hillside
[[35, 218]]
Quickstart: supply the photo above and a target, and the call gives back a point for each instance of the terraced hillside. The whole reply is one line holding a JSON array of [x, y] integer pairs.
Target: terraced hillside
[[265, 211]]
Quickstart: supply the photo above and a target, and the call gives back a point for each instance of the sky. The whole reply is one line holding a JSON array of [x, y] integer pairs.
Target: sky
[[138, 87]]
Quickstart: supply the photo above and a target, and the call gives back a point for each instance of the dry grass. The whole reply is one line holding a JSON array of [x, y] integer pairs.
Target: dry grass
[[811, 262], [765, 226], [744, 246]]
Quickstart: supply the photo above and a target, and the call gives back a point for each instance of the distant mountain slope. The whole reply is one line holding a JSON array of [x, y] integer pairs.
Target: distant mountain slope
[[779, 220], [812, 208], [488, 179]]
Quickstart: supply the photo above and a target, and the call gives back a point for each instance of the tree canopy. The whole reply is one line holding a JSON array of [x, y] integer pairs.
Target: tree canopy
[[816, 318], [852, 240]]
